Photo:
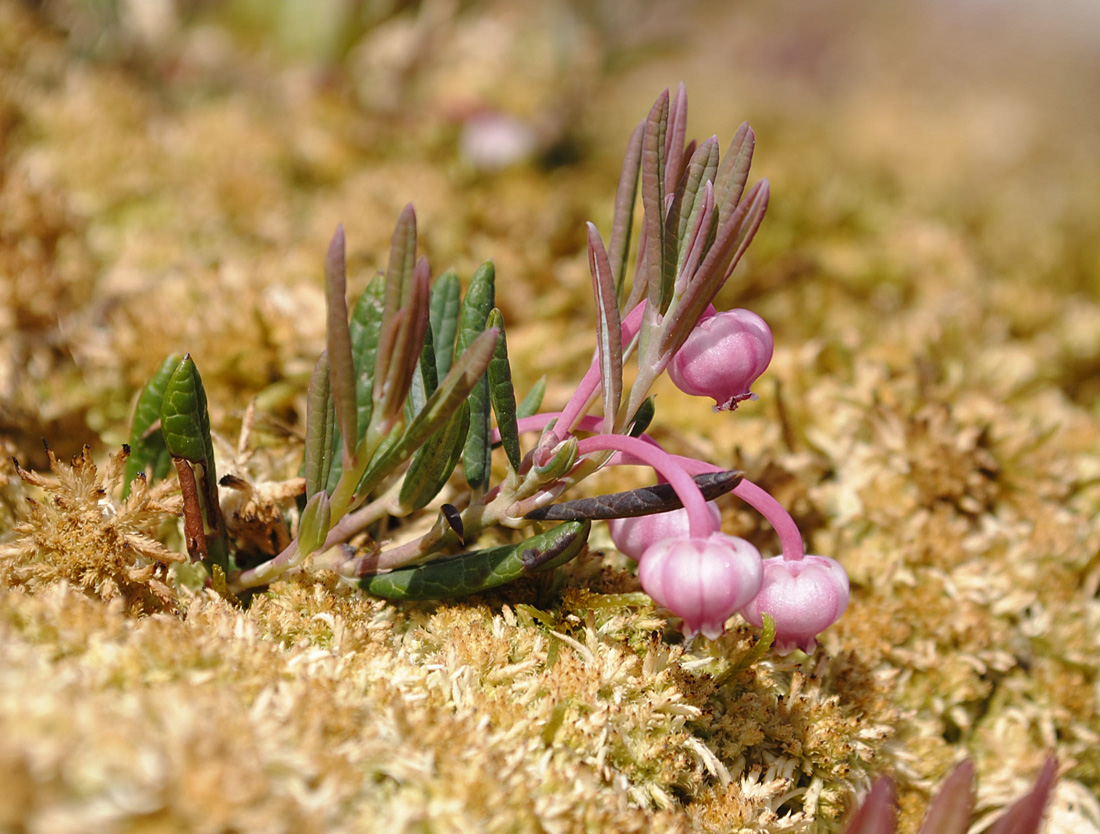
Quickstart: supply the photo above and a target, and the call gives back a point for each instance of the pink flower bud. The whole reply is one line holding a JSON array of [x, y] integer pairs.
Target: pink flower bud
[[722, 357], [703, 581], [804, 597], [633, 535]]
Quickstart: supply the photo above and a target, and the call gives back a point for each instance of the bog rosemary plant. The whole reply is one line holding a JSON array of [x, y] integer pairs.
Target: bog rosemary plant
[[414, 377]]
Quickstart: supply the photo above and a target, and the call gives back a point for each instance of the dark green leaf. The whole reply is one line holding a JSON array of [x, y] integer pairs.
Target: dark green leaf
[[365, 326], [642, 417], [480, 570], [425, 381], [184, 419], [636, 502], [477, 303], [147, 449], [503, 395], [433, 463], [185, 423], [445, 300]]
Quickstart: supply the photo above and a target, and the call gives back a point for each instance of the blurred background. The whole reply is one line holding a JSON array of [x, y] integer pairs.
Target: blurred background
[[171, 171]]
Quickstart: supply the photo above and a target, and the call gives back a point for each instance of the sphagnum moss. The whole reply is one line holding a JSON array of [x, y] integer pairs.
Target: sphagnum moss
[[897, 300]]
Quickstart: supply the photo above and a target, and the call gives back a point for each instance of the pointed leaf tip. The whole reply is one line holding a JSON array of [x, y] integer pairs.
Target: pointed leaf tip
[[878, 813], [950, 810]]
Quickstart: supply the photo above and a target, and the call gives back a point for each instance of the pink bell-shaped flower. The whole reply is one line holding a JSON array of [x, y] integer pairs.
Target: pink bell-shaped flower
[[723, 356], [702, 580], [633, 535], [803, 596]]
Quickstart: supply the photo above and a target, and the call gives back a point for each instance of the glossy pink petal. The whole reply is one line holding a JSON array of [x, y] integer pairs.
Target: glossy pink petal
[[633, 535], [723, 356], [804, 598], [702, 580]]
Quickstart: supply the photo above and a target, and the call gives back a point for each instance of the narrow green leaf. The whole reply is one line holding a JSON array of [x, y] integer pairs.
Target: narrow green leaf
[[622, 224], [733, 173], [338, 345], [502, 394], [402, 261], [609, 335], [365, 327], [675, 137], [532, 400], [147, 449], [467, 370], [472, 317], [653, 202], [700, 170], [425, 381], [433, 463], [481, 570], [445, 300], [321, 445]]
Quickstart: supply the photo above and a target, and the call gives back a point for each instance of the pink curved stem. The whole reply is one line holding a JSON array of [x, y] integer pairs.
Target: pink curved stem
[[790, 539], [700, 521], [591, 381]]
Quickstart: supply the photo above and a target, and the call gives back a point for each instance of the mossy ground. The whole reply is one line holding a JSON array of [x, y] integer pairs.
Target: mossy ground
[[931, 269]]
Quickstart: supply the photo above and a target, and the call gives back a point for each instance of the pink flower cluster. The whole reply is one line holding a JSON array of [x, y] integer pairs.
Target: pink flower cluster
[[684, 562]]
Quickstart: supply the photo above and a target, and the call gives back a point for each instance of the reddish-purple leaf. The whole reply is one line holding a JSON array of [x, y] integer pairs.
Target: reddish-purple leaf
[[338, 345], [1025, 816], [878, 814], [623, 223], [950, 810]]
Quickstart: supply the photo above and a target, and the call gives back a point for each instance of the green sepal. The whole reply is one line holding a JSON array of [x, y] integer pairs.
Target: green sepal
[[561, 462], [313, 527], [642, 417], [481, 570], [502, 394], [472, 320], [147, 449], [443, 308], [433, 463]]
